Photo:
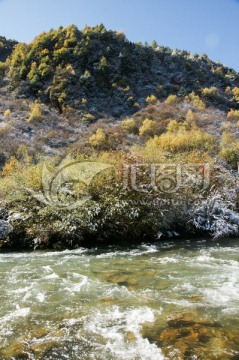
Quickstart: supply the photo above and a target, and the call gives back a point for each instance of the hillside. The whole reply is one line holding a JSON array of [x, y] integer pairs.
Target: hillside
[[100, 72], [91, 96]]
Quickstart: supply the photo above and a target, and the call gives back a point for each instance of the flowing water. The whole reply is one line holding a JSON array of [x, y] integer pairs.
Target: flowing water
[[174, 300]]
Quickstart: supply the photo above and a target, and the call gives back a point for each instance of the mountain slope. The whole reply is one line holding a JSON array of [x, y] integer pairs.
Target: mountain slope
[[100, 72]]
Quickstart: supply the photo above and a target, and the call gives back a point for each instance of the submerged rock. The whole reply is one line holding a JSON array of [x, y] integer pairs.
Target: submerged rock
[[190, 336], [16, 350], [188, 319]]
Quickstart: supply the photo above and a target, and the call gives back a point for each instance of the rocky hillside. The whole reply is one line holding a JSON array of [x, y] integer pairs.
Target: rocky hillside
[[100, 73], [91, 96]]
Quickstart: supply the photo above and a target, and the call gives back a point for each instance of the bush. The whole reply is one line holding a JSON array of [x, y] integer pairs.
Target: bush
[[229, 148], [36, 112], [171, 100], [196, 101], [129, 125], [173, 126], [84, 101], [235, 92], [190, 121], [98, 140], [88, 118], [233, 114], [151, 99], [182, 141], [7, 113], [10, 168], [227, 138], [211, 93], [230, 155], [148, 128]]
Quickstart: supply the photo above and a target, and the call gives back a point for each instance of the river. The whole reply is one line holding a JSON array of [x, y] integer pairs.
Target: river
[[169, 300]]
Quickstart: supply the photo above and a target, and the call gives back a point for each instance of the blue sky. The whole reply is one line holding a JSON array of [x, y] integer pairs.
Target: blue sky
[[199, 26]]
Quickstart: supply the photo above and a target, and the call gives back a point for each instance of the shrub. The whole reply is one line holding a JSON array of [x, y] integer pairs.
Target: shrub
[[148, 128], [227, 138], [129, 125], [10, 168], [173, 126], [190, 121], [151, 99], [84, 101], [36, 112], [211, 93], [233, 114], [7, 113], [191, 116], [88, 118], [98, 140], [182, 141], [196, 101], [229, 148], [230, 155], [171, 100], [103, 64], [235, 92]]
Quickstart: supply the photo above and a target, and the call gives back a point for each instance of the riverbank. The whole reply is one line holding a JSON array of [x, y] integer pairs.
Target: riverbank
[[115, 219]]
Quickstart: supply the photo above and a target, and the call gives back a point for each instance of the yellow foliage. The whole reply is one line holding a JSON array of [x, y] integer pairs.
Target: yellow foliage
[[171, 100], [88, 118], [36, 112], [7, 113], [210, 93], [191, 116], [173, 126], [11, 167], [190, 122], [196, 101], [233, 114], [151, 99], [98, 139], [228, 139], [182, 141], [84, 101], [129, 125], [148, 128], [235, 92]]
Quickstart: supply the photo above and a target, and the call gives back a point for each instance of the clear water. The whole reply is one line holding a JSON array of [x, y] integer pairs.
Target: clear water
[[115, 303]]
